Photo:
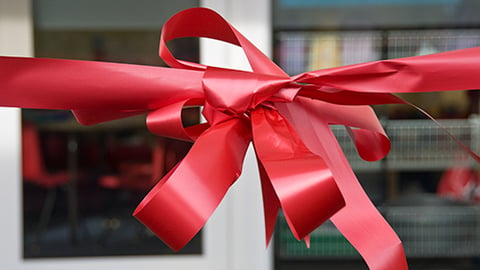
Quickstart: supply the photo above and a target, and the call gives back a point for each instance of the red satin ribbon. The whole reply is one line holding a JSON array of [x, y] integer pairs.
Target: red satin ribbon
[[303, 169]]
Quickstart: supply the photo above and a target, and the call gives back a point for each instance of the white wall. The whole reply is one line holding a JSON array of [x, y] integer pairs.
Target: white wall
[[15, 40]]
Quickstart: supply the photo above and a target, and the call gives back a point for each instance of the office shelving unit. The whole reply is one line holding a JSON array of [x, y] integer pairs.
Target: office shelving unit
[[447, 235]]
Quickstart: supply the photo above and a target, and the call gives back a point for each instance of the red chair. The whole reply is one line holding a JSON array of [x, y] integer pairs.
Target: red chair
[[35, 172], [34, 169], [137, 167]]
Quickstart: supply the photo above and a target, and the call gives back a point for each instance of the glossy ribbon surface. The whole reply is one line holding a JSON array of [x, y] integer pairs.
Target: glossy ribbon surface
[[302, 167]]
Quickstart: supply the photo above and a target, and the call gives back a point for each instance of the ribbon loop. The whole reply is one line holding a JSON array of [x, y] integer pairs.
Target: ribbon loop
[[203, 22], [359, 221], [167, 121], [180, 204]]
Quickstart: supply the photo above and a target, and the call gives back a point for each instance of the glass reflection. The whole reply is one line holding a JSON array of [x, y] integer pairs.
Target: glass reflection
[[81, 184]]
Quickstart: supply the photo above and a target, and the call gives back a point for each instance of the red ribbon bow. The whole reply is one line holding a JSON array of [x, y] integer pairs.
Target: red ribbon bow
[[302, 167]]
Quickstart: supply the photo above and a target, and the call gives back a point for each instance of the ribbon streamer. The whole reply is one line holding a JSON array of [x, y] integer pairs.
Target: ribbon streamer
[[302, 167]]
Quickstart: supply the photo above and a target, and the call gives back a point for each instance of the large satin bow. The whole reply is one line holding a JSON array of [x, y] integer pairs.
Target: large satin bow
[[302, 167]]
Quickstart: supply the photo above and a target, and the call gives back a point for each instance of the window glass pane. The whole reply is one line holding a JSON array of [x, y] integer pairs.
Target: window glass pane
[[81, 184]]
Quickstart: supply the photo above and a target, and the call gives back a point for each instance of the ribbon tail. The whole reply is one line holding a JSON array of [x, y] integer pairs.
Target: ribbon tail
[[307, 241], [361, 123], [301, 180], [370, 234], [271, 203], [180, 204]]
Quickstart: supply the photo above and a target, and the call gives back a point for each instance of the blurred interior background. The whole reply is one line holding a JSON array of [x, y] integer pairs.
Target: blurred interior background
[[427, 188], [82, 184]]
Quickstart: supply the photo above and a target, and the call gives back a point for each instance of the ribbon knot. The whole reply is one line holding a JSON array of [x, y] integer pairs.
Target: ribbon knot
[[236, 93], [239, 107]]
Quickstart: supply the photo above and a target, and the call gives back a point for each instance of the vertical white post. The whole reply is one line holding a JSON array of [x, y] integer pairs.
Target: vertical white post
[[15, 40], [242, 209], [246, 233]]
